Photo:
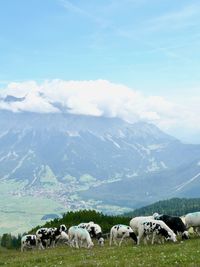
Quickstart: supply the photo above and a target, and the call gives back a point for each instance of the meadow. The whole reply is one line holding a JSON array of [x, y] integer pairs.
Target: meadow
[[185, 253]]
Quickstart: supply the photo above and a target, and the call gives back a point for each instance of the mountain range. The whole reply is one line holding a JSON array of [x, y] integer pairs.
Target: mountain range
[[79, 161]]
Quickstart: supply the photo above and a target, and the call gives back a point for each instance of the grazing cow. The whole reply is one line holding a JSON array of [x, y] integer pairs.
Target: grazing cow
[[94, 231], [193, 220], [49, 236], [79, 237], [63, 238], [154, 227], [29, 242], [175, 223], [121, 231], [43, 234], [135, 222]]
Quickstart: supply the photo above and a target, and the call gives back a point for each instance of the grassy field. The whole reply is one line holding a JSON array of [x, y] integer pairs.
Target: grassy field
[[185, 253]]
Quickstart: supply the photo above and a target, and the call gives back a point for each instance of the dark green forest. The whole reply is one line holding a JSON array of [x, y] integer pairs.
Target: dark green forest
[[173, 206]]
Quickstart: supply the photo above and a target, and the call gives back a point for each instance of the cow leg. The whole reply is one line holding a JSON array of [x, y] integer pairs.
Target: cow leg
[[124, 235], [139, 238], [111, 239], [153, 238], [76, 242], [115, 240]]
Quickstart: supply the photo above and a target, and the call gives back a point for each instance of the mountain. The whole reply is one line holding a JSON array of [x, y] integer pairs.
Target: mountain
[[53, 162]]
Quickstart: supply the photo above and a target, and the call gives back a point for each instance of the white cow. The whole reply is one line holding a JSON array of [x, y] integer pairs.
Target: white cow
[[154, 227], [94, 230], [193, 220], [121, 231], [79, 237], [29, 242]]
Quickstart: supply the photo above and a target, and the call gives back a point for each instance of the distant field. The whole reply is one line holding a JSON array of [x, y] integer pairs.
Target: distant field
[[185, 253], [20, 213]]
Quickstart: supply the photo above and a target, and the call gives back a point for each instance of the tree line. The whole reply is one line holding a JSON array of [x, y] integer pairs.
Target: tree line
[[173, 207], [10, 241]]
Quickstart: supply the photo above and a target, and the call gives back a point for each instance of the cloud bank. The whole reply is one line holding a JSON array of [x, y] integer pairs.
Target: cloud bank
[[100, 98]]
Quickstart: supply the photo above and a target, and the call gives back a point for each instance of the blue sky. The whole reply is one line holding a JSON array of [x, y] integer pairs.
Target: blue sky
[[149, 45]]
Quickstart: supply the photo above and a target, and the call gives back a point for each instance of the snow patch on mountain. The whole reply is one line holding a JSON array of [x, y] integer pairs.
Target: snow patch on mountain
[[73, 133], [154, 166], [10, 155], [109, 137], [156, 146]]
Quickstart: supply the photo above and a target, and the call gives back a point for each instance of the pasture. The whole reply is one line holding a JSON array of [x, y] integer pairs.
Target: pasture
[[185, 253]]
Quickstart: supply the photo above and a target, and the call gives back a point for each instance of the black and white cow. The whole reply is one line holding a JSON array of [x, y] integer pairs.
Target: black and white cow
[[121, 231], [29, 242], [49, 236], [94, 231], [175, 223], [154, 227], [44, 235]]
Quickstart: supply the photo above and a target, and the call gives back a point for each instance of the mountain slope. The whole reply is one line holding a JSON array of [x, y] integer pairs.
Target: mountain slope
[[183, 181]]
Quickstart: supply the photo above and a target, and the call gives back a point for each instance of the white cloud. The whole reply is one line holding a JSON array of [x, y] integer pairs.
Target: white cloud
[[103, 98]]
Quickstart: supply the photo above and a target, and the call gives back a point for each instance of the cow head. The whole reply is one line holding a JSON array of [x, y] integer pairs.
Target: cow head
[[63, 228], [171, 236]]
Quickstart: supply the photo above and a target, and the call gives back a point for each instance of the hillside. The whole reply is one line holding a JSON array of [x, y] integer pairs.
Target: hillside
[[174, 206]]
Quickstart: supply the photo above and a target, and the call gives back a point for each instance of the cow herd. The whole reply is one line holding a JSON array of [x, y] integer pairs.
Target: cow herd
[[156, 228]]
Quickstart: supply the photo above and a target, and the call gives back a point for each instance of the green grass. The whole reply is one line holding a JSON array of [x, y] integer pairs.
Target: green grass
[[185, 253]]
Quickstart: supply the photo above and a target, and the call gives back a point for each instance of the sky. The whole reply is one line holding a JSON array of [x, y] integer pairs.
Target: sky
[[147, 48]]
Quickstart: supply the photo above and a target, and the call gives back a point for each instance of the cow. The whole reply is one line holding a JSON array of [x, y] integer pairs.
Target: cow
[[63, 238], [94, 231], [50, 236], [193, 220], [175, 223], [154, 227], [44, 235], [79, 237], [135, 222], [122, 231], [29, 242]]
